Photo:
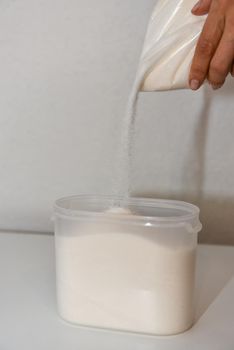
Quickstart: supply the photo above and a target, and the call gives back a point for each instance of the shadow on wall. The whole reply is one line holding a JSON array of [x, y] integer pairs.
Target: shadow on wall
[[214, 271], [195, 167], [217, 217], [217, 213]]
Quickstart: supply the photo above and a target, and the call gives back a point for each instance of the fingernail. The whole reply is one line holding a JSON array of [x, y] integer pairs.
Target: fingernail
[[194, 84], [196, 7], [216, 87]]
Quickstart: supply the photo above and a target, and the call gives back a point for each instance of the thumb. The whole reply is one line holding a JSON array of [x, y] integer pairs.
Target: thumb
[[202, 7]]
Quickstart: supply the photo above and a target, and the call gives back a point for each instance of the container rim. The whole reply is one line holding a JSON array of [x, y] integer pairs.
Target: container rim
[[192, 211]]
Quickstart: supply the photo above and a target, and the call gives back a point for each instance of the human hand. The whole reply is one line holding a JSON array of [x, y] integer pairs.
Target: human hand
[[214, 55]]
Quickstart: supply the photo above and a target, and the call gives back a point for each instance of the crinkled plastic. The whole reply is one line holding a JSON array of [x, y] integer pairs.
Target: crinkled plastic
[[169, 46]]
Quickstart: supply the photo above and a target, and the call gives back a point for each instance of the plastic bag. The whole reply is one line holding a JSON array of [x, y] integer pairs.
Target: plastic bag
[[169, 46]]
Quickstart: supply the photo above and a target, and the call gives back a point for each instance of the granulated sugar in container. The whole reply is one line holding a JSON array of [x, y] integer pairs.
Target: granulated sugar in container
[[130, 268]]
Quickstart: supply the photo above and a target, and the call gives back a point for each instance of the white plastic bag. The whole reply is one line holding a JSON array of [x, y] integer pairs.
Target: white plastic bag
[[169, 46]]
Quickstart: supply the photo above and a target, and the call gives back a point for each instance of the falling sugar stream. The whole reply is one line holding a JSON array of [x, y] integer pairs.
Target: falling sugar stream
[[122, 177], [122, 184]]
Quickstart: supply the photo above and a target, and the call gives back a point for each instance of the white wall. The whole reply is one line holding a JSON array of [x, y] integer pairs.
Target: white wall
[[66, 68]]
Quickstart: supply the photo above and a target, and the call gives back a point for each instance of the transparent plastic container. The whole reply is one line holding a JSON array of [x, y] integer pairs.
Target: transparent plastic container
[[129, 269]]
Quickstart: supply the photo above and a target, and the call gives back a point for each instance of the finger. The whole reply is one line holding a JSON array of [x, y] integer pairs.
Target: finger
[[206, 47], [222, 60], [202, 7]]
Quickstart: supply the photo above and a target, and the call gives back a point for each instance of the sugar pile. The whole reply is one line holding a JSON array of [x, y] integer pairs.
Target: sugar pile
[[111, 276]]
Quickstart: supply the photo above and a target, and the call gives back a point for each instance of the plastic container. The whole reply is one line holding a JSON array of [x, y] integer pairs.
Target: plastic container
[[129, 269]]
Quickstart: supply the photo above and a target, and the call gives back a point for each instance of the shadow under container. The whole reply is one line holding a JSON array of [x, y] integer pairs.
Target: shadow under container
[[129, 269]]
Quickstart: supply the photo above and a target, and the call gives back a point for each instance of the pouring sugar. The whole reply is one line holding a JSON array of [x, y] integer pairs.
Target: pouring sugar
[[119, 211], [126, 273]]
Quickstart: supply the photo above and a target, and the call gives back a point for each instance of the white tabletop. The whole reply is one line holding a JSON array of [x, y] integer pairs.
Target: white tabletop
[[28, 318]]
